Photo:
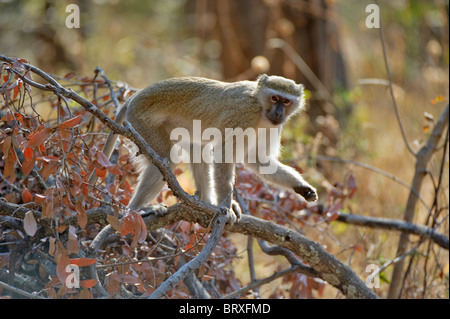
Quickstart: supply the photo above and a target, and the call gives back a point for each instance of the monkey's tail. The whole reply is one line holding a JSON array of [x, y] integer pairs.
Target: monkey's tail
[[112, 137]]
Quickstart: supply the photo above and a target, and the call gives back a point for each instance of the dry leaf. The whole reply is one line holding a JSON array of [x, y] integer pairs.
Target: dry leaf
[[72, 243], [114, 222], [29, 224]]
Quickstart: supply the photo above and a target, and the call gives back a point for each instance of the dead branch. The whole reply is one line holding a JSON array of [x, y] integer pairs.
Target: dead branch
[[19, 291], [400, 225]]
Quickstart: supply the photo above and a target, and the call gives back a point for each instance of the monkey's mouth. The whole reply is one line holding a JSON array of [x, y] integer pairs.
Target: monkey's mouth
[[274, 119], [275, 122]]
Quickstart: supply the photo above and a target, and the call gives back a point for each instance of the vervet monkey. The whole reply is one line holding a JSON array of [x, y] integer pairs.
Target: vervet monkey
[[156, 110]]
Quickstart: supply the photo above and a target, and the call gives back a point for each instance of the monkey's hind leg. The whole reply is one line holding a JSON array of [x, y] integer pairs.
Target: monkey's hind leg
[[149, 185], [150, 181], [203, 181]]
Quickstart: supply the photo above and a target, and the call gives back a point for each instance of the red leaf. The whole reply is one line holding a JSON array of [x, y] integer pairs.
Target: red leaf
[[85, 189], [70, 122], [135, 225], [69, 75], [16, 90], [115, 170], [114, 222], [88, 283], [52, 246], [26, 196], [49, 169], [39, 199], [72, 243], [48, 159], [101, 173], [61, 229], [28, 153], [6, 145], [63, 262], [38, 138], [178, 171], [438, 98], [81, 215], [12, 153], [103, 160], [129, 279], [351, 185], [29, 224], [9, 172], [333, 217], [28, 165], [82, 262], [8, 117]]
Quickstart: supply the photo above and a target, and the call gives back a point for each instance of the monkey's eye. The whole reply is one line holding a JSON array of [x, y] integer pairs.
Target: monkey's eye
[[274, 98], [286, 102]]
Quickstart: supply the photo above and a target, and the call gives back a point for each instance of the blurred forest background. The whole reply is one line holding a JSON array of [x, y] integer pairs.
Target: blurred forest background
[[349, 127]]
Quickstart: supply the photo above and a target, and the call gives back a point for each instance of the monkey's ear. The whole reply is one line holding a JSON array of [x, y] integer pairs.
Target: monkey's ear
[[262, 78], [300, 90]]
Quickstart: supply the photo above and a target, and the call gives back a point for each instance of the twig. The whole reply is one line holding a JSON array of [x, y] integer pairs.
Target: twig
[[20, 291], [400, 225], [111, 90], [251, 260], [373, 169], [216, 233], [277, 250], [388, 263], [259, 283], [194, 285], [302, 66], [391, 89]]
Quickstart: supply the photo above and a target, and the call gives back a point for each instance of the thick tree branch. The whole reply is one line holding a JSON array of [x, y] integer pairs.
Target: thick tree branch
[[328, 267]]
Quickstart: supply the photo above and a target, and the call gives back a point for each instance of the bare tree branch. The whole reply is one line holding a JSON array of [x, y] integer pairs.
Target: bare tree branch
[[373, 169], [19, 291], [391, 89], [400, 225], [257, 283]]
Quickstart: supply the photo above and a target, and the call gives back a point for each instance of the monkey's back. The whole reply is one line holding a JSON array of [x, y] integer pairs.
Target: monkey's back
[[174, 101]]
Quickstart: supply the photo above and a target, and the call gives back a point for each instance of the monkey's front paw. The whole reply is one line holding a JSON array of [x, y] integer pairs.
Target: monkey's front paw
[[308, 192], [233, 213]]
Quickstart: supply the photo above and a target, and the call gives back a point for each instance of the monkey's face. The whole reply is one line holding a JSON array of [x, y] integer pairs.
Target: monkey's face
[[279, 108], [279, 97], [277, 112]]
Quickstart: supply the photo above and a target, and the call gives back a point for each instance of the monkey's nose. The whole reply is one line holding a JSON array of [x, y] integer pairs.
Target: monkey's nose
[[279, 116]]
